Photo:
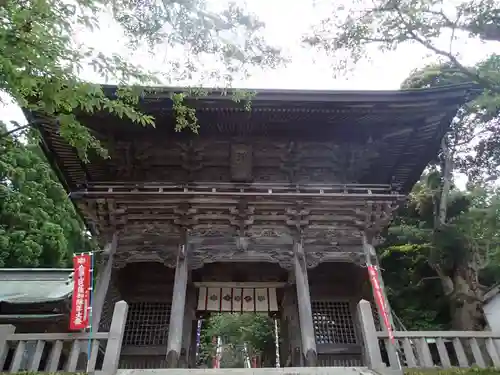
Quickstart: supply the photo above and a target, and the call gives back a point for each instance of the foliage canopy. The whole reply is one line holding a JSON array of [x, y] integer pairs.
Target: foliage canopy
[[38, 224], [239, 333], [41, 60]]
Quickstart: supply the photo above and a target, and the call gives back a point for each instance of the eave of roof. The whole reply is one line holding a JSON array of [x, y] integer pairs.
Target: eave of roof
[[33, 286], [162, 92], [30, 317], [34, 270]]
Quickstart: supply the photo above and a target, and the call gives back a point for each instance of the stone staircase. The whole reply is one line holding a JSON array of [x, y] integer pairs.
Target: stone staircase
[[254, 371]]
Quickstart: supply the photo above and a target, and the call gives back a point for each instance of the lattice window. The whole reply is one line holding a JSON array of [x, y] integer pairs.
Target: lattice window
[[147, 323], [333, 322]]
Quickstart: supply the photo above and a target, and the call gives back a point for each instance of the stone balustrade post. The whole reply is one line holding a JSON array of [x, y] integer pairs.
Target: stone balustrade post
[[115, 339], [5, 331], [373, 357]]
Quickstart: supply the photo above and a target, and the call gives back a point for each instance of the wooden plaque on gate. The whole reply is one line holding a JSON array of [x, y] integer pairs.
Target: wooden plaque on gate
[[241, 162]]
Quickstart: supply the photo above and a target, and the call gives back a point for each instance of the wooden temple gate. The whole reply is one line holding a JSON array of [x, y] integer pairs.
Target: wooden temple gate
[[293, 194]]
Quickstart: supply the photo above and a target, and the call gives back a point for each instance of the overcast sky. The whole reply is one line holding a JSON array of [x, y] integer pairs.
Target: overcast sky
[[286, 21]]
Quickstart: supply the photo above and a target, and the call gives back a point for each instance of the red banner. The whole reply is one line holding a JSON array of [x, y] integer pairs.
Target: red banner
[[81, 293], [379, 299]]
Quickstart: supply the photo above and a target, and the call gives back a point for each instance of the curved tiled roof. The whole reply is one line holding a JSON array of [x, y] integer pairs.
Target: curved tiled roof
[[411, 122]]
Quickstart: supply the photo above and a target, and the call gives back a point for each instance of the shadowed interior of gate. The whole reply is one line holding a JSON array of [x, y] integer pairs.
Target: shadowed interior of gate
[[335, 289]]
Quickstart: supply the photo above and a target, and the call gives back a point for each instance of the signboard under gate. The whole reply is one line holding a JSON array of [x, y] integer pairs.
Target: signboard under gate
[[237, 299]]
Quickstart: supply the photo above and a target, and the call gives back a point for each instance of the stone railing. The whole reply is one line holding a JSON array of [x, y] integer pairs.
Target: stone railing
[[52, 352], [426, 349]]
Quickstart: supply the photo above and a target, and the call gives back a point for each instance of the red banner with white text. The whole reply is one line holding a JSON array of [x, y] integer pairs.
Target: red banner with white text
[[379, 299], [81, 293]]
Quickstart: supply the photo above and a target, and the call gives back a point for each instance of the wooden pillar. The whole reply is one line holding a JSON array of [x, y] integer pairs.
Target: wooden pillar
[[102, 284], [174, 343], [305, 310], [291, 348], [193, 344], [189, 317], [371, 258], [100, 292]]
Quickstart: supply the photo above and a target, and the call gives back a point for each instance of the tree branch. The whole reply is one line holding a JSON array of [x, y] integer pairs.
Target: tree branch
[[427, 278], [487, 84], [15, 130], [446, 281], [483, 131], [20, 128]]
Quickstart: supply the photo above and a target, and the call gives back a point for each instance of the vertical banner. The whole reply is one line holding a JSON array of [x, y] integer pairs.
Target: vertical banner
[[79, 318], [379, 299]]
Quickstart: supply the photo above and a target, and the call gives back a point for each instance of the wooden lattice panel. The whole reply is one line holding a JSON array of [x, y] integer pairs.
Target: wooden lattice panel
[[147, 324], [333, 322]]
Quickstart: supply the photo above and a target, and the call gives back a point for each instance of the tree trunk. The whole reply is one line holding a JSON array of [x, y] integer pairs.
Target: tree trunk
[[445, 189], [466, 301], [462, 286]]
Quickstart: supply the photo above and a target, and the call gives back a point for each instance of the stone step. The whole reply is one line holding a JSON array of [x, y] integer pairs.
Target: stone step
[[253, 371]]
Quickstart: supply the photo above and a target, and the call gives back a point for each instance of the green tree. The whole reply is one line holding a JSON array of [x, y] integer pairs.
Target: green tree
[[38, 224], [453, 236], [387, 24], [255, 332], [444, 258], [40, 60]]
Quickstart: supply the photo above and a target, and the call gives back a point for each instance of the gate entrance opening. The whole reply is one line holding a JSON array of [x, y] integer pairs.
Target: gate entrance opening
[[240, 326], [238, 340]]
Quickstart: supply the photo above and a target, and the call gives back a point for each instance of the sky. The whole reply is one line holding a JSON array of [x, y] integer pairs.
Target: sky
[[285, 25]]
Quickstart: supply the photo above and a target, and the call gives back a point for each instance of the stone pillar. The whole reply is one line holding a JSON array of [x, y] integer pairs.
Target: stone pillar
[[115, 339], [305, 310], [373, 358], [174, 343]]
